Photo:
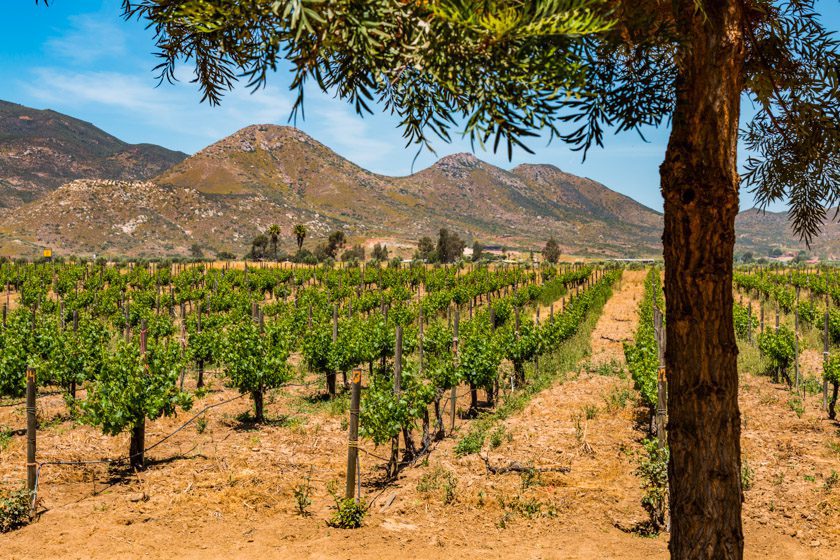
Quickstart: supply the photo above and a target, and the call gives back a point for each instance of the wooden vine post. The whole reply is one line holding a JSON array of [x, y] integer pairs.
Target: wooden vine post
[[749, 323], [395, 442], [537, 323], [353, 437], [183, 355], [761, 320], [515, 374], [31, 426], [75, 330], [420, 339], [661, 379], [453, 397], [796, 339], [200, 364], [137, 445], [494, 389], [825, 355], [331, 375], [777, 373], [127, 320]]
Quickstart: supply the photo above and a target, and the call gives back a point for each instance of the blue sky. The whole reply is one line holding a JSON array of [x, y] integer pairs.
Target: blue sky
[[80, 58]]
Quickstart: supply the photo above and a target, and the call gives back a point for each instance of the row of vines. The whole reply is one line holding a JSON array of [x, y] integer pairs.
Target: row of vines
[[813, 297], [118, 342]]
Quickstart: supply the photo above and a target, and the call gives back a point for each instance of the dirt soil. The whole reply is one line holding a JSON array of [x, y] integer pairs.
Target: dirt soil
[[228, 491]]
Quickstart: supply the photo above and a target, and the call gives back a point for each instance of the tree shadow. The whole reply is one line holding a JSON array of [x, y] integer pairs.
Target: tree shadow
[[246, 422], [641, 528], [122, 471]]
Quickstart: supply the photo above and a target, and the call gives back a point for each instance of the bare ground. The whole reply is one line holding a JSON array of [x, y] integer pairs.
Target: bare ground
[[228, 492]]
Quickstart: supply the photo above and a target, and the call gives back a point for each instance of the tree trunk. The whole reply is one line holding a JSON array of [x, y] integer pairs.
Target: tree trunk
[[700, 188], [426, 440], [410, 449], [832, 404], [331, 383], [392, 468], [439, 433], [136, 457], [519, 373], [200, 382], [259, 415], [785, 376], [473, 399]]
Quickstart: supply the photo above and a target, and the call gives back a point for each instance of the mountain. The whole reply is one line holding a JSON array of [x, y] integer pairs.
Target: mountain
[[224, 195], [518, 208], [759, 232], [41, 149]]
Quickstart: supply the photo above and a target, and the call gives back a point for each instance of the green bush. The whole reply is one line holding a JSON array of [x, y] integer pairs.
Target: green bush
[[642, 355], [128, 389], [744, 321], [14, 509], [348, 514], [747, 475], [831, 374], [777, 346], [653, 470], [255, 360]]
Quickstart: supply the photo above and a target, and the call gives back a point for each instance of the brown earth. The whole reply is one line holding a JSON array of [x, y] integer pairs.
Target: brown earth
[[228, 492]]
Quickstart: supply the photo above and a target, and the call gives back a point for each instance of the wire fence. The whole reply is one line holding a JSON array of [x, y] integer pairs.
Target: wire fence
[[129, 458]]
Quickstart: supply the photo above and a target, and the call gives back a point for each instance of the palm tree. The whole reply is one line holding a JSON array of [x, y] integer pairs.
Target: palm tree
[[299, 232], [274, 237]]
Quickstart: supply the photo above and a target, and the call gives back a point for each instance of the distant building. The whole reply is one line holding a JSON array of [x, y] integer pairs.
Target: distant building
[[646, 261]]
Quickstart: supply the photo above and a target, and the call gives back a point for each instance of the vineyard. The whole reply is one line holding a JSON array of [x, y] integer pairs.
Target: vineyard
[[386, 398]]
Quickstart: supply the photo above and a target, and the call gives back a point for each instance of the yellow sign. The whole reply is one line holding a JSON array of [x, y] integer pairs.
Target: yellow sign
[[47, 253]]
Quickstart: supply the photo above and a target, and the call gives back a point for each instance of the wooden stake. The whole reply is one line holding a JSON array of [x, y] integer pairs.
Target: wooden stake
[[31, 426], [420, 339], [749, 323], [661, 379], [453, 397], [353, 437], [761, 322], [825, 355], [796, 339]]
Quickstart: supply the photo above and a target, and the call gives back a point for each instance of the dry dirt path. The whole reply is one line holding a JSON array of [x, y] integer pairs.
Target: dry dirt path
[[619, 320]]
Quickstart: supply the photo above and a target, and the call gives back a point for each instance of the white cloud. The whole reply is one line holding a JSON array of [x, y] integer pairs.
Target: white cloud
[[337, 126], [171, 108], [89, 38]]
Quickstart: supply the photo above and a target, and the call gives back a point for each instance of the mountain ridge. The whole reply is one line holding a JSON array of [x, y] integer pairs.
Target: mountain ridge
[[261, 174], [41, 149]]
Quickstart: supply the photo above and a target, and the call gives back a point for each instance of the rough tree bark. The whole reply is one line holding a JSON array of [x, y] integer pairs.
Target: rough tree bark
[[137, 444], [700, 188], [331, 376], [439, 433], [200, 382], [259, 414]]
